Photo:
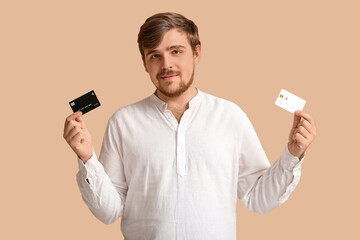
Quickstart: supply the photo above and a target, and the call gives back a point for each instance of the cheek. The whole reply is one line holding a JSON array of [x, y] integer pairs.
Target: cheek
[[153, 74], [152, 70], [188, 68]]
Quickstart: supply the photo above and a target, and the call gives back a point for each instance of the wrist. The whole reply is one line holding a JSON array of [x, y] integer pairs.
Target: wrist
[[297, 154], [85, 157]]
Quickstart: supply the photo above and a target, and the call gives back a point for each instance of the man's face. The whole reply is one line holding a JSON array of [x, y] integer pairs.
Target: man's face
[[172, 63]]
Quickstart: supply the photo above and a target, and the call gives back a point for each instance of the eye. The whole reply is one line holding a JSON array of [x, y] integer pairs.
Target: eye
[[176, 52], [154, 56]]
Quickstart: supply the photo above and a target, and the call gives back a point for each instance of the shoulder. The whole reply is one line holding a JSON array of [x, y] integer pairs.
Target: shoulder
[[222, 106], [131, 111]]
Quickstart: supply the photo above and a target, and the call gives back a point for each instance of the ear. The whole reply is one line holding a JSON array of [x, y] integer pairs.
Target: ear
[[197, 54], [143, 60]]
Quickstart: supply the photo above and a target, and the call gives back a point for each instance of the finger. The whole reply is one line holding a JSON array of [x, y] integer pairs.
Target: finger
[[76, 140], [72, 133], [306, 116], [296, 119], [73, 116], [68, 127], [301, 142], [304, 132], [310, 128], [80, 120], [301, 123]]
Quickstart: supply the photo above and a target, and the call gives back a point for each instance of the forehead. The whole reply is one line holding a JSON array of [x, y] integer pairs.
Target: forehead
[[173, 37]]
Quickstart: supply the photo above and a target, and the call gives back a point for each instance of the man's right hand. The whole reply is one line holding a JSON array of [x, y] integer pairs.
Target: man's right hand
[[77, 136]]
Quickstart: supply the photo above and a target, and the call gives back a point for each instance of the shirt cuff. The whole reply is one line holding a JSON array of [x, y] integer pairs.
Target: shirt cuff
[[88, 169], [290, 162]]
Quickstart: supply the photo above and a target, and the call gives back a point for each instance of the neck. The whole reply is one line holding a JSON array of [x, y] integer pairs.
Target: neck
[[179, 102]]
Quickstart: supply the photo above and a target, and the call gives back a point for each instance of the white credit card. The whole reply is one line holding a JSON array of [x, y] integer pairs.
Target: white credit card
[[289, 101]]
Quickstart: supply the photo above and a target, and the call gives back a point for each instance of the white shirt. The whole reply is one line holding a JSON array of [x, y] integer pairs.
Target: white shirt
[[170, 180]]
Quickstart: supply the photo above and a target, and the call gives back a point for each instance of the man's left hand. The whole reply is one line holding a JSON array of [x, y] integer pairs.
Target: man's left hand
[[302, 133]]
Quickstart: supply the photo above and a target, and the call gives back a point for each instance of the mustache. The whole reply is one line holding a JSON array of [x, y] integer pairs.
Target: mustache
[[168, 72]]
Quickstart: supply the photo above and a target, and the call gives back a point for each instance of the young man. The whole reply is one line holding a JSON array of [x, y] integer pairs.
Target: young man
[[173, 164]]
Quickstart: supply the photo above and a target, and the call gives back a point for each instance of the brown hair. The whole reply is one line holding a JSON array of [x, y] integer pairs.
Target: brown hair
[[155, 27]]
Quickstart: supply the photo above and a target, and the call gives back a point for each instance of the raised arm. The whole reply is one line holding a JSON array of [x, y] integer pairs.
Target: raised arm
[[104, 196], [263, 187]]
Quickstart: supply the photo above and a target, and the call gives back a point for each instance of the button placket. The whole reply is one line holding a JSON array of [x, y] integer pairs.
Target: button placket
[[180, 153], [170, 117], [181, 165]]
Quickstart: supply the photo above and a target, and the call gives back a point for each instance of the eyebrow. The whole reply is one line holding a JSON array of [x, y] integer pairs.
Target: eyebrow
[[167, 49]]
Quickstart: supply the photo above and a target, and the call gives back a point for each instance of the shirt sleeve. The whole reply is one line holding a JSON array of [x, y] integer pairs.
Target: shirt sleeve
[[262, 187], [104, 196]]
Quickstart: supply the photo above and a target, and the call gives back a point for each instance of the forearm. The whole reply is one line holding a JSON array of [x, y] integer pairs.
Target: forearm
[[275, 185], [98, 192]]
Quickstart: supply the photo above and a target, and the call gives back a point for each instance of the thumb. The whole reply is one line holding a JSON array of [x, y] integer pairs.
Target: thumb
[[80, 120], [297, 118]]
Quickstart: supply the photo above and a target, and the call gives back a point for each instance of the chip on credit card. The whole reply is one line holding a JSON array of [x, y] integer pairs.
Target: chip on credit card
[[289, 101], [85, 103]]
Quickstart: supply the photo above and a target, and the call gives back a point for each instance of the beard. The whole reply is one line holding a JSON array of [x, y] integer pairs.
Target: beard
[[180, 89]]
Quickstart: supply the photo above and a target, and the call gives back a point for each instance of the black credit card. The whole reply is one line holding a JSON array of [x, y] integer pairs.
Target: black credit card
[[85, 103]]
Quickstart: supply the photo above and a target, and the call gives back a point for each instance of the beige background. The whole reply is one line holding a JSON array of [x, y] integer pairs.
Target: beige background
[[53, 51]]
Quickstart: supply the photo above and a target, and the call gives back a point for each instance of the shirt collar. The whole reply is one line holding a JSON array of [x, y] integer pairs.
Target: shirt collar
[[163, 105]]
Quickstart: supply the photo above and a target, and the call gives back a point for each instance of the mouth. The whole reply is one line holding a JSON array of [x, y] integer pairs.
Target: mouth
[[167, 77]]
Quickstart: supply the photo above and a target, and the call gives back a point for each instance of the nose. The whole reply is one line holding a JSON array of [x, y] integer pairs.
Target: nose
[[166, 62]]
